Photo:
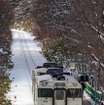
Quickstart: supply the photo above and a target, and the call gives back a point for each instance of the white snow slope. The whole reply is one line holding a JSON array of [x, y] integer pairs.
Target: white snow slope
[[25, 57]]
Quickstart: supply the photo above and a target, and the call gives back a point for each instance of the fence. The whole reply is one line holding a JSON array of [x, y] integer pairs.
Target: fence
[[95, 95]]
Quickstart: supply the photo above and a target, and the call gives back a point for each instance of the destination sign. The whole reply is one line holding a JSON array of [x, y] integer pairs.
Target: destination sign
[[59, 84]]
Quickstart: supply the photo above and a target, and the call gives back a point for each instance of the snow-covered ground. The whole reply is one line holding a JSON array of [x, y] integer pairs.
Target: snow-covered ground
[[25, 57]]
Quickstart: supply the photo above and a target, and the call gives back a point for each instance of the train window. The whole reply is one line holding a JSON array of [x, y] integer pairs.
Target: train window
[[74, 93], [47, 65], [41, 73], [70, 93], [78, 93], [45, 92], [59, 94], [55, 71]]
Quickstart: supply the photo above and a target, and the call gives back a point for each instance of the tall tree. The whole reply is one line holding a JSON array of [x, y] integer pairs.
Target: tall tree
[[21, 11], [79, 21], [6, 16], [89, 17]]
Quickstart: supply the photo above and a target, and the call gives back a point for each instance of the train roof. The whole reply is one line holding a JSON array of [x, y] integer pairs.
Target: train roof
[[55, 75], [38, 71], [70, 81]]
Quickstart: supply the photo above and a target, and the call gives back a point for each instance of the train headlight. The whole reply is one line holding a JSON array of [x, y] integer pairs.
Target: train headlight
[[45, 84], [75, 84]]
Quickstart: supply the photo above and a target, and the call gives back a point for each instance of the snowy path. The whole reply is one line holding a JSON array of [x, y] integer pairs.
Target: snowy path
[[25, 57]]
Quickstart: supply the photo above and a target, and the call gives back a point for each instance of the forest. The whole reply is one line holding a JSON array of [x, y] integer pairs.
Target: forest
[[71, 30], [67, 29]]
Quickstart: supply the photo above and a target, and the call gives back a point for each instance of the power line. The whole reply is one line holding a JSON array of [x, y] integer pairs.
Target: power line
[[29, 51], [25, 58], [21, 40]]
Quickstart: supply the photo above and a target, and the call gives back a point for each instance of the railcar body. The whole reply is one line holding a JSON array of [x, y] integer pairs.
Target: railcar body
[[54, 87]]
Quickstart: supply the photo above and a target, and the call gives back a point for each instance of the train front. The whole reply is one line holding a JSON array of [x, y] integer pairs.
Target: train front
[[59, 90]]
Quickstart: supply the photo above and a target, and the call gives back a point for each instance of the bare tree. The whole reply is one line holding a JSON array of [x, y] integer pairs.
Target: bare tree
[[81, 22], [6, 16]]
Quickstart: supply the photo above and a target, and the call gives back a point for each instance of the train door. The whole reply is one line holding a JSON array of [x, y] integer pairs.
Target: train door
[[59, 97]]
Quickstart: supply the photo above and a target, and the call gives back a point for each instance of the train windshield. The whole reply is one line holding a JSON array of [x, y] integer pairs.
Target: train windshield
[[74, 93], [60, 94], [45, 92]]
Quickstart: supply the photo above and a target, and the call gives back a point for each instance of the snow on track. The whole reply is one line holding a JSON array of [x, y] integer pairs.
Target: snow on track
[[23, 49]]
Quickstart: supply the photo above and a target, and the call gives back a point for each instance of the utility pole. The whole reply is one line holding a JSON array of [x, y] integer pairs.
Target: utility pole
[[98, 86]]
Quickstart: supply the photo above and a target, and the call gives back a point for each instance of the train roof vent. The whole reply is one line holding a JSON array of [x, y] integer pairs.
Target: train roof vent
[[60, 77], [66, 73], [54, 75]]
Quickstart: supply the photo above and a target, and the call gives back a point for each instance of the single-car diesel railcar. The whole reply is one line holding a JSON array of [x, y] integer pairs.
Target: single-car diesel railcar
[[51, 86]]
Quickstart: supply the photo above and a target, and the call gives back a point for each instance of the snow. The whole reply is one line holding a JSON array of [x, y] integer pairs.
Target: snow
[[86, 96], [25, 54], [1, 50], [44, 77]]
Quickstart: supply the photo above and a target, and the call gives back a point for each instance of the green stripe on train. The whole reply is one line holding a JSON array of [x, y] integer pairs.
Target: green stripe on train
[[96, 96]]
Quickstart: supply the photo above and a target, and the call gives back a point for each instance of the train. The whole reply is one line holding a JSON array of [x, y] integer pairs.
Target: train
[[54, 86]]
